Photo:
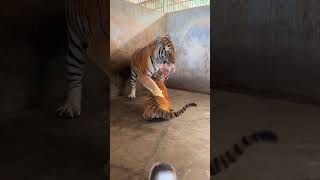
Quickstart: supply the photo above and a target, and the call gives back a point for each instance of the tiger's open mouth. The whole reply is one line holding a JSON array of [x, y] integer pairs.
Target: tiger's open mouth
[[166, 69], [166, 74]]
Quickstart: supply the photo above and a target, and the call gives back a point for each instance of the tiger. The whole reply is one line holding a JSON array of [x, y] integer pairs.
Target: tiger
[[146, 61], [162, 171], [156, 107], [223, 161], [88, 38]]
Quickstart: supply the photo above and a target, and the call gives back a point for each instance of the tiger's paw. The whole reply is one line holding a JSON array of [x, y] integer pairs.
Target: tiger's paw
[[131, 96], [160, 94], [68, 111]]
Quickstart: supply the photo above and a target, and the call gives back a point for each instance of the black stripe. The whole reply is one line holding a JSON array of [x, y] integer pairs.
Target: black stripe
[[89, 26], [255, 137], [152, 63], [74, 44], [225, 163], [230, 157], [237, 149], [149, 70], [159, 53], [133, 79], [70, 54], [133, 73], [70, 73], [245, 141], [81, 52], [167, 115], [217, 165], [68, 63]]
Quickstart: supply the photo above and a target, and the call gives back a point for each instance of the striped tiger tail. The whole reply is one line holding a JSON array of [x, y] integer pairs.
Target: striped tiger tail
[[174, 114], [223, 161]]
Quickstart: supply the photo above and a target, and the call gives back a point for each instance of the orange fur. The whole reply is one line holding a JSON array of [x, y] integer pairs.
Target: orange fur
[[159, 107], [157, 52]]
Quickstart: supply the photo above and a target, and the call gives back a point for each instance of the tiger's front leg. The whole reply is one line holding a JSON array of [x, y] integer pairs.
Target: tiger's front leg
[[133, 82], [76, 61], [72, 106], [149, 84]]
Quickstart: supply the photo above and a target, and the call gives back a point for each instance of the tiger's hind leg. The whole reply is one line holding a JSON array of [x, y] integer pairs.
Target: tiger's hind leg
[[75, 63]]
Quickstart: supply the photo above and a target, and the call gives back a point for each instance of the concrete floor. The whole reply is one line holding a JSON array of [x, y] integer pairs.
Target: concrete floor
[[36, 145], [136, 144], [295, 157]]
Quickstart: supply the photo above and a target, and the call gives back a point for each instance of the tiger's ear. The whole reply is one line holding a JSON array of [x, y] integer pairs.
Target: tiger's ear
[[158, 40]]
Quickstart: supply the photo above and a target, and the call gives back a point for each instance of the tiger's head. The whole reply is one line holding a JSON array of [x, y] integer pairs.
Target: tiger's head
[[167, 52]]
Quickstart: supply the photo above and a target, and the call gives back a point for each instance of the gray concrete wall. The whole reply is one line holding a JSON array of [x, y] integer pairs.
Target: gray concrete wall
[[133, 26], [127, 21], [190, 32], [268, 46]]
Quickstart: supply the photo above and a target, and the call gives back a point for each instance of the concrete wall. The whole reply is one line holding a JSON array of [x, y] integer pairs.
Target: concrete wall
[[127, 21], [133, 26], [190, 31], [268, 46]]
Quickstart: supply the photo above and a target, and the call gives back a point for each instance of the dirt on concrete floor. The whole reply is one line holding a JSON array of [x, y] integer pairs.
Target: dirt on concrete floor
[[135, 144]]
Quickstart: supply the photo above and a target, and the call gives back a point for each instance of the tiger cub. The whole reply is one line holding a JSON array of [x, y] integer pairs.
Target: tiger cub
[[224, 161], [159, 107]]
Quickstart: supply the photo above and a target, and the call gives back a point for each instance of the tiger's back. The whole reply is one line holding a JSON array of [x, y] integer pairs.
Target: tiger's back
[[139, 58]]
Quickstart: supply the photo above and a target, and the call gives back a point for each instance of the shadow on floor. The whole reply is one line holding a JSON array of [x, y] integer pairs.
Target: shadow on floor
[[38, 145], [295, 156]]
